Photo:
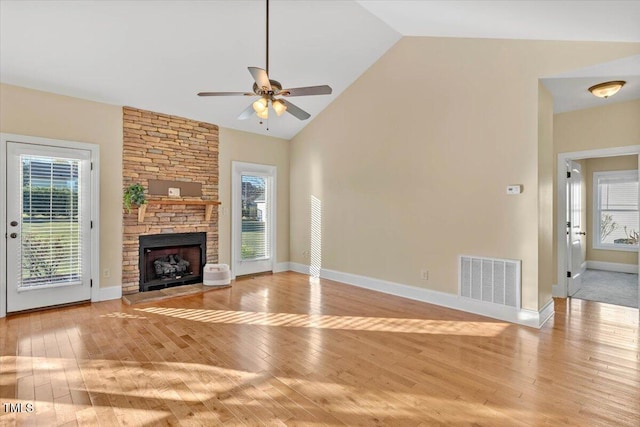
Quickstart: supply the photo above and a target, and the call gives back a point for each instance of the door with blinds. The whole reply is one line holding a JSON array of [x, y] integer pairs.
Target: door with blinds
[[48, 226], [253, 218]]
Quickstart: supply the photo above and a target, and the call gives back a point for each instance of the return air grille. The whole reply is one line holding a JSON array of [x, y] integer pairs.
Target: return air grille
[[490, 280]]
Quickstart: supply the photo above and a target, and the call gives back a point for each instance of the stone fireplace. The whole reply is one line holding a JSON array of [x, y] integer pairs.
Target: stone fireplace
[[168, 260], [183, 154]]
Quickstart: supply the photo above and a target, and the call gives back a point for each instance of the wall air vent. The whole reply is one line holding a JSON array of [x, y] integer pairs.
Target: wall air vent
[[490, 280]]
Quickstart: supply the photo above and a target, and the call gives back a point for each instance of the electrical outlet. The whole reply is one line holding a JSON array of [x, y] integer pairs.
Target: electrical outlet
[[305, 254], [424, 274], [106, 273]]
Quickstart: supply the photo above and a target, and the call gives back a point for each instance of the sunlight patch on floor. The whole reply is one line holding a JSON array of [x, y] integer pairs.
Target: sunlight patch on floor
[[121, 315], [140, 389], [319, 321], [316, 238]]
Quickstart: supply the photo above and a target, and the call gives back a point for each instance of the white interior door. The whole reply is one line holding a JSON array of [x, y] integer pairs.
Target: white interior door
[[48, 254], [253, 214], [575, 228]]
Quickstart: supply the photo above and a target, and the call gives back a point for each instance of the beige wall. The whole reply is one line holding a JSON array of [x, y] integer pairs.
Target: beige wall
[[614, 125], [252, 148], [598, 165], [545, 195], [411, 162], [35, 113]]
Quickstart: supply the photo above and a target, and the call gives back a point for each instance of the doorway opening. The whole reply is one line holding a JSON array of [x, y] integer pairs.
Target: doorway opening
[[598, 225]]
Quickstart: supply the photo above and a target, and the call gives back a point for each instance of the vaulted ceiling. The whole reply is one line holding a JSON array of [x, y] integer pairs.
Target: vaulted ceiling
[[157, 55]]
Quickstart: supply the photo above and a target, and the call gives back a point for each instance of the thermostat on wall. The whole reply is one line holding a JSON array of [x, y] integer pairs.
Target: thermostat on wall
[[174, 192], [514, 189]]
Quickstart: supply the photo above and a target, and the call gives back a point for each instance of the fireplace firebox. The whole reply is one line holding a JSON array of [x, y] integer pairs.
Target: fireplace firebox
[[168, 260]]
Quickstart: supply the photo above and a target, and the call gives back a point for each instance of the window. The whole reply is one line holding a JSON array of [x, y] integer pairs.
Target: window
[[51, 235], [616, 210], [255, 221]]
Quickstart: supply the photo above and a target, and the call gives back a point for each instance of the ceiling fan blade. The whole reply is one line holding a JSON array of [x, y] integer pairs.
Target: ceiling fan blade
[[261, 77], [295, 110], [226, 94], [305, 91], [247, 113]]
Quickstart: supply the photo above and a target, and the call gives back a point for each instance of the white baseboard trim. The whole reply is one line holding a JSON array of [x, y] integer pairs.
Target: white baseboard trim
[[521, 316], [111, 292], [299, 268], [546, 312], [613, 266], [279, 267]]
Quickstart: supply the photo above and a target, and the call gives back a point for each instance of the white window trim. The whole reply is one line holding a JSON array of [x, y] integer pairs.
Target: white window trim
[[595, 242], [95, 206]]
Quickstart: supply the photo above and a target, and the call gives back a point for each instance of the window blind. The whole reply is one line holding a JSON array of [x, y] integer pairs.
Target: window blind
[[255, 221], [617, 206], [51, 229]]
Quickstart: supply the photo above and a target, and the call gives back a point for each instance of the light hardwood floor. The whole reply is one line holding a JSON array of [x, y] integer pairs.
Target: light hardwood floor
[[285, 350]]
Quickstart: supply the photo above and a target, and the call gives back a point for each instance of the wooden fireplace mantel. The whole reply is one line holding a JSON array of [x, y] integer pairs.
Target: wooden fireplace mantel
[[208, 204]]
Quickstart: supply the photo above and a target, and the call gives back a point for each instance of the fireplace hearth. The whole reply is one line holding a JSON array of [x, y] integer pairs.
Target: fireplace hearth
[[168, 260]]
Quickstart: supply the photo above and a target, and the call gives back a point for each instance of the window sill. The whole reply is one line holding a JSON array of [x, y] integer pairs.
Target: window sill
[[621, 248]]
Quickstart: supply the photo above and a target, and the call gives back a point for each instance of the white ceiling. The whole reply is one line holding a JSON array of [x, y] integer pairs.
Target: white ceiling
[[570, 90], [157, 55], [535, 20]]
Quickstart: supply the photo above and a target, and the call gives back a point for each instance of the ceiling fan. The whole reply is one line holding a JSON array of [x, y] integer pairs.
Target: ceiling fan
[[270, 92]]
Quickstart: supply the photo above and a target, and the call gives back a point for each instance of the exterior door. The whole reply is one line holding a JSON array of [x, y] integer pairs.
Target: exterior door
[[253, 218], [48, 226], [575, 228]]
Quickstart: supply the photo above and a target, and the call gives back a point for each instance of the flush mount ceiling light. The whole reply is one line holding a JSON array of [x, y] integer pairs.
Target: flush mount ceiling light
[[607, 89]]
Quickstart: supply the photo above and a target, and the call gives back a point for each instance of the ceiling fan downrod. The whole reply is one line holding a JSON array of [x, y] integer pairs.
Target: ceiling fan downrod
[[267, 69]]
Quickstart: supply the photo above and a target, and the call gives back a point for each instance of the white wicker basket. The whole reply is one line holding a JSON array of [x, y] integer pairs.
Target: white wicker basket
[[216, 275]]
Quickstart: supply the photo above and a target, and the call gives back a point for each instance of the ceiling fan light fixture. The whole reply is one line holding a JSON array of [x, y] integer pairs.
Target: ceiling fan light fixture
[[260, 105], [606, 89], [264, 114], [279, 107]]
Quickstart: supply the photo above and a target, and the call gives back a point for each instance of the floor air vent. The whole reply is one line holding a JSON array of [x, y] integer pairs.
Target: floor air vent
[[490, 280]]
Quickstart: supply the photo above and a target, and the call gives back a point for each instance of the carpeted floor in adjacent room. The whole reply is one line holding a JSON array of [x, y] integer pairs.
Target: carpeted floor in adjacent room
[[609, 287]]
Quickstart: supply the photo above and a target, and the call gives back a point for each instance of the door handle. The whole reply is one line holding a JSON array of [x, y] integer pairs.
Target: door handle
[[13, 235], [14, 223], [584, 233]]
